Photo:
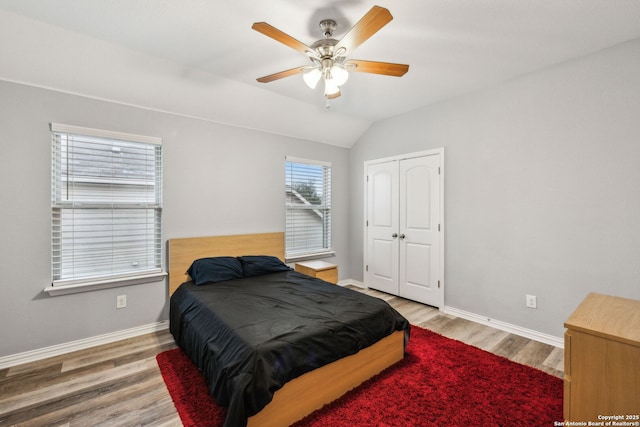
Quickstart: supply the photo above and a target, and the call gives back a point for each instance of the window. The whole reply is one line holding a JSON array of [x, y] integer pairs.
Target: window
[[106, 205], [308, 208]]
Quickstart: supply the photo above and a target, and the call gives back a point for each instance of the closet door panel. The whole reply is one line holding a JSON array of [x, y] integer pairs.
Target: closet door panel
[[418, 225], [381, 271]]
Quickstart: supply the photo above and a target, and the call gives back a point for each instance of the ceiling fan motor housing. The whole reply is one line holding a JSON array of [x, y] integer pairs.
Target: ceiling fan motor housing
[[324, 47]]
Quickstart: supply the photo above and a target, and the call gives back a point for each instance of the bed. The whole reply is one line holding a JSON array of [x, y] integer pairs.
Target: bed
[[219, 335]]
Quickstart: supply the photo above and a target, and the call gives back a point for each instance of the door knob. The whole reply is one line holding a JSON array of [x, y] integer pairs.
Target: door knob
[[402, 236], [394, 235]]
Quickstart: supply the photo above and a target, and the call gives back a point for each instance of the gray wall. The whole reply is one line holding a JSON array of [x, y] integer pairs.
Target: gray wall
[[217, 180], [541, 195], [541, 188]]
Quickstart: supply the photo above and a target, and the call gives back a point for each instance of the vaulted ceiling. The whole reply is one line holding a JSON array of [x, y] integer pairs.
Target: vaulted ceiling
[[200, 58]]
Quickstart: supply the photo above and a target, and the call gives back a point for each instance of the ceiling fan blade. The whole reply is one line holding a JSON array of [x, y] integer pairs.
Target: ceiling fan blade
[[335, 95], [374, 67], [286, 39], [367, 26], [283, 74]]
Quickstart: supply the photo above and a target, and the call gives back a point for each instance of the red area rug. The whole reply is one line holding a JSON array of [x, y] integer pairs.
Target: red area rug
[[440, 382]]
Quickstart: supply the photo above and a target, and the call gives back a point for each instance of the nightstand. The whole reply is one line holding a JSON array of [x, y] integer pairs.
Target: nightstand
[[320, 269]]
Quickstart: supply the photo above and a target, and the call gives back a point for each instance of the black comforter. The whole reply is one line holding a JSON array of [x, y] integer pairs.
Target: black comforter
[[250, 336]]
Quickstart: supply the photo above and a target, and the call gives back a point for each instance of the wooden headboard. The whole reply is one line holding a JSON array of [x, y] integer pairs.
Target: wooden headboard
[[182, 252]]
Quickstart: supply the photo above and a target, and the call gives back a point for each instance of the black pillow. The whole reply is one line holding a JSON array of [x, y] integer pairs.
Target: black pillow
[[216, 269], [255, 265]]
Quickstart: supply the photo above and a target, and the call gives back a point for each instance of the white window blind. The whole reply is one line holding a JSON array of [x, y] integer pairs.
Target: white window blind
[[106, 200], [308, 207]]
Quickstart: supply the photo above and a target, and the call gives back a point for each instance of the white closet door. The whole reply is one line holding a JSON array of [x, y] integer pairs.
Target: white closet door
[[381, 271], [419, 239], [403, 234]]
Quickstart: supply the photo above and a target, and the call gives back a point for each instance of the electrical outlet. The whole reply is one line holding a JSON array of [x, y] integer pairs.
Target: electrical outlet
[[531, 301], [121, 301]]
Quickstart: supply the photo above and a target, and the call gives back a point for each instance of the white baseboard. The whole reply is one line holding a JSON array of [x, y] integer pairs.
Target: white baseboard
[[507, 327], [483, 320], [353, 282], [56, 350]]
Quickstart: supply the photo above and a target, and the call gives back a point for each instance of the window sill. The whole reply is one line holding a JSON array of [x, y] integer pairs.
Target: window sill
[[55, 291], [306, 257]]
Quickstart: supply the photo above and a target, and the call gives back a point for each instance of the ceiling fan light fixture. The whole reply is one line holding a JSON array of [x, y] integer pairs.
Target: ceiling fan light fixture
[[330, 87], [312, 78], [339, 75]]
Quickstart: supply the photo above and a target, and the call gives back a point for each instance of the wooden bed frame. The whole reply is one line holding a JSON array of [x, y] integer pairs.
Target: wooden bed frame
[[311, 391]]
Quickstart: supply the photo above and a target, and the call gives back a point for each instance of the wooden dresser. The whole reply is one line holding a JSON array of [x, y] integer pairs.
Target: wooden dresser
[[320, 269], [602, 360]]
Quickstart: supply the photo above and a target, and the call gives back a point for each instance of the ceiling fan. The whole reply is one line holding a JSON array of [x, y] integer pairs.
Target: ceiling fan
[[329, 56]]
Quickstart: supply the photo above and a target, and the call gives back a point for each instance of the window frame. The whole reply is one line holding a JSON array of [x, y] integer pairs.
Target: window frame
[[152, 270], [324, 250]]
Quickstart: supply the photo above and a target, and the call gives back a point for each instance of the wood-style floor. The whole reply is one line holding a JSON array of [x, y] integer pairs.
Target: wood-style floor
[[119, 384]]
